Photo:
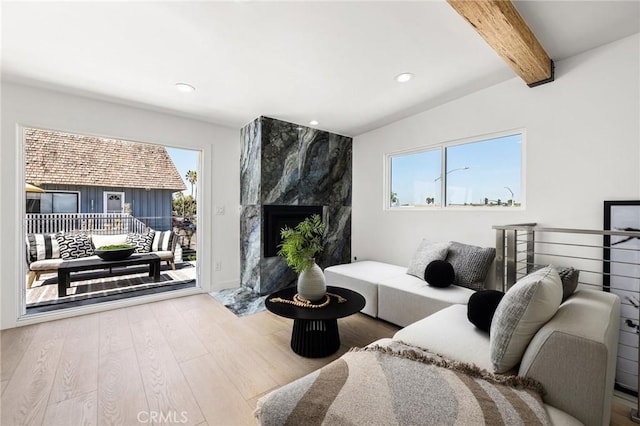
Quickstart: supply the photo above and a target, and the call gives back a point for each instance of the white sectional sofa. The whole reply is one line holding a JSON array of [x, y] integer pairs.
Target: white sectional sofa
[[401, 294], [393, 295], [572, 356]]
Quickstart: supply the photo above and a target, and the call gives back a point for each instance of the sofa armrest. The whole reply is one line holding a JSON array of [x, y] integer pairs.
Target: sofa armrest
[[574, 356]]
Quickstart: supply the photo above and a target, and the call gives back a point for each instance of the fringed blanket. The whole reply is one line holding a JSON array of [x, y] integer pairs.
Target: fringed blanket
[[403, 385]]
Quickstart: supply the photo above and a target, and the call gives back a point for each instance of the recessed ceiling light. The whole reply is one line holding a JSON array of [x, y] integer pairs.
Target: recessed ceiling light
[[404, 77], [314, 122], [184, 87]]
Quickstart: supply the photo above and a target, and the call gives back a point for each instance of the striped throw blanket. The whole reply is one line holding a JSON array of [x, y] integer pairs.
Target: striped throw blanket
[[403, 385]]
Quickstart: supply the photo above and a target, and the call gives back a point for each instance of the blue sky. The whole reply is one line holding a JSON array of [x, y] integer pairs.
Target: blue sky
[[185, 160], [490, 169]]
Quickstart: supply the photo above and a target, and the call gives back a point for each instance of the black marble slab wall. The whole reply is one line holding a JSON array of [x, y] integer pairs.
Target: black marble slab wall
[[287, 164]]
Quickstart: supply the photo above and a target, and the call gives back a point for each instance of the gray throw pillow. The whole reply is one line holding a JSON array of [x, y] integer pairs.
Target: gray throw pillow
[[523, 310], [471, 264], [426, 253], [569, 277]]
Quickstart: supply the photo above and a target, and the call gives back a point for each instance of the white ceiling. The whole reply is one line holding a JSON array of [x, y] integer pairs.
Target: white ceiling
[[297, 61]]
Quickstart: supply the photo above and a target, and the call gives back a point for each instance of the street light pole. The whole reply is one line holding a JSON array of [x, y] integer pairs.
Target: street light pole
[[446, 174], [451, 171], [513, 197]]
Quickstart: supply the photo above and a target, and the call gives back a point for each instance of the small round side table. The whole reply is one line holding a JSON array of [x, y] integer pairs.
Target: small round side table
[[315, 330]]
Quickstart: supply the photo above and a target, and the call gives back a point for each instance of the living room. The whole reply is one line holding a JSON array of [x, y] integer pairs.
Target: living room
[[582, 133]]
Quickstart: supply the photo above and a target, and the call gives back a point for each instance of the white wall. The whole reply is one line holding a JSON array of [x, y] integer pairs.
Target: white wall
[[582, 147], [218, 179]]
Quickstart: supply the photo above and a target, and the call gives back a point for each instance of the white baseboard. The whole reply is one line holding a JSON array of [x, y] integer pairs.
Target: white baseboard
[[221, 285], [625, 399]]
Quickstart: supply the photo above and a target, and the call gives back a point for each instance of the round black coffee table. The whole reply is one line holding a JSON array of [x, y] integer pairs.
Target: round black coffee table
[[315, 330]]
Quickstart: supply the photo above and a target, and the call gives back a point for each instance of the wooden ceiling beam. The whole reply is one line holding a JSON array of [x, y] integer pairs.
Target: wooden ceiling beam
[[502, 27]]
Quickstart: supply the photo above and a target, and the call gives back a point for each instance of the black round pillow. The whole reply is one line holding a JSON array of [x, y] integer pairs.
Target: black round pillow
[[439, 273], [481, 307]]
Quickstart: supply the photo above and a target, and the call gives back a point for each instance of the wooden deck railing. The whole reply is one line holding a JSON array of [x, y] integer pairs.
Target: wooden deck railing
[[93, 223]]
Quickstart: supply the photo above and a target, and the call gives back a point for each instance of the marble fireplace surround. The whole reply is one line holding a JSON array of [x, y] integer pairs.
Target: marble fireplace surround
[[285, 164]]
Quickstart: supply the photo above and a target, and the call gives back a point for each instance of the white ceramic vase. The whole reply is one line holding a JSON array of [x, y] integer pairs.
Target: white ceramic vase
[[311, 283]]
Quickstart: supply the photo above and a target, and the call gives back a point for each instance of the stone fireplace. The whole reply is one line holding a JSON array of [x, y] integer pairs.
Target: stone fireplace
[[289, 172]]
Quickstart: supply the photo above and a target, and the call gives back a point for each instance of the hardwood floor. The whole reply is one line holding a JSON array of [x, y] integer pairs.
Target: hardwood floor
[[184, 361]]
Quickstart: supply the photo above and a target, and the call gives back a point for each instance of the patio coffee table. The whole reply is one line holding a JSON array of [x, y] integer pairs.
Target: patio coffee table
[[77, 265], [315, 330]]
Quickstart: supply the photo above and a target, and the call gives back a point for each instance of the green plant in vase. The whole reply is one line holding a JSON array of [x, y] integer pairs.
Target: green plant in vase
[[299, 248]]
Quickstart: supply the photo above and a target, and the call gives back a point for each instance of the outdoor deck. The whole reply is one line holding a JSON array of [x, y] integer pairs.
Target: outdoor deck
[[97, 284]]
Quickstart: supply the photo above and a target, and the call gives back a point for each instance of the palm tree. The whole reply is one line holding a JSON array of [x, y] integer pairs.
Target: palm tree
[[192, 177]]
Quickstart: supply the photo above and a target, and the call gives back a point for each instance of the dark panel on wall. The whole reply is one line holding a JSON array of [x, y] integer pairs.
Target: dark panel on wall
[[250, 246], [325, 168], [288, 164], [280, 162], [338, 236], [250, 164]]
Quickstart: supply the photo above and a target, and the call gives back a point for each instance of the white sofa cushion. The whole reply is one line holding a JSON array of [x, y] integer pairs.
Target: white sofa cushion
[[526, 307], [363, 277], [405, 299], [450, 334]]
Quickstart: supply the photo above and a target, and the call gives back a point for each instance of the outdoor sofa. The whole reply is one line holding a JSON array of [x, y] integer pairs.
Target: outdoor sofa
[[46, 252]]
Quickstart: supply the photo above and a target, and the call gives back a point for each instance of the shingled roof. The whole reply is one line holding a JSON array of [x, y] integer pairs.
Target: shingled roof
[[65, 158]]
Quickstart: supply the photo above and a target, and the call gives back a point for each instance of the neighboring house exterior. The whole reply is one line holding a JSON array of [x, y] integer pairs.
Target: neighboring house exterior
[[86, 174]]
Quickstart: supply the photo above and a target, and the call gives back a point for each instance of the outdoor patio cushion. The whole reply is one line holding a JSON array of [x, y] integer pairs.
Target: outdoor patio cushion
[[42, 246], [73, 246], [142, 242], [45, 265], [164, 255], [164, 241]]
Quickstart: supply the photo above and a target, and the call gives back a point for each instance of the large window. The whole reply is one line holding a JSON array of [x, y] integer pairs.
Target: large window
[[53, 202], [415, 179], [107, 188], [483, 172]]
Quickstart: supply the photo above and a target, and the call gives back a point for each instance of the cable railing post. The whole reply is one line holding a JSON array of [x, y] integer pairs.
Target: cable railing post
[[531, 245], [511, 253], [500, 259]]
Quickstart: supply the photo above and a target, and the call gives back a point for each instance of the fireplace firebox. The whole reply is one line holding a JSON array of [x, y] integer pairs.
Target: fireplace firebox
[[277, 217]]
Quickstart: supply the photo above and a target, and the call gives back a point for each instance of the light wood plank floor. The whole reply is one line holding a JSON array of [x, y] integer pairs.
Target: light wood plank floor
[[185, 361]]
